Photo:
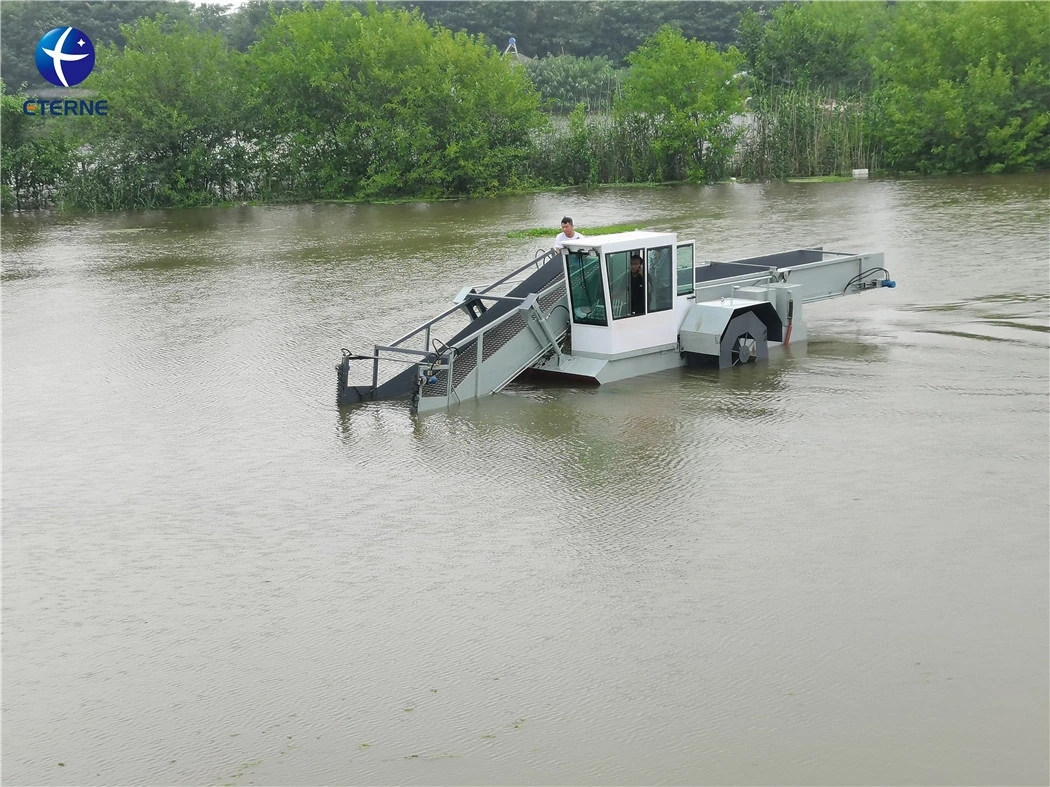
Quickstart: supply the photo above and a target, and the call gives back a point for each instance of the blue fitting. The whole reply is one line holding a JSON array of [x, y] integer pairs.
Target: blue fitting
[[432, 379], [888, 283]]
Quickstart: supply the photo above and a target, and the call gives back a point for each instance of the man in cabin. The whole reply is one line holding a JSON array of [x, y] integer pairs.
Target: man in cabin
[[637, 285], [568, 233]]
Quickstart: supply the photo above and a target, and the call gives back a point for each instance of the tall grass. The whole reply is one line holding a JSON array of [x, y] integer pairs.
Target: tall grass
[[791, 133], [593, 149], [806, 133]]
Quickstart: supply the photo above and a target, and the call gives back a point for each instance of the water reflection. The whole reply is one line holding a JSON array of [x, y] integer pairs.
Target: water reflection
[[667, 423]]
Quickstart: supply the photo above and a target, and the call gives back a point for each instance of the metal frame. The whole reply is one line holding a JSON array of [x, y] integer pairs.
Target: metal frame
[[427, 326], [545, 339]]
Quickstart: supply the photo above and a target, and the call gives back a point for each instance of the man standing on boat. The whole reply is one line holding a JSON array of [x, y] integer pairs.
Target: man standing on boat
[[568, 233]]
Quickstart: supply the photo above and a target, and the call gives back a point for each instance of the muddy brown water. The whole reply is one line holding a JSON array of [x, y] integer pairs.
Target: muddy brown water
[[829, 568]]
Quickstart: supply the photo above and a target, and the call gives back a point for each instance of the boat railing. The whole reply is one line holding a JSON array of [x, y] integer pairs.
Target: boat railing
[[473, 344], [478, 295], [431, 351]]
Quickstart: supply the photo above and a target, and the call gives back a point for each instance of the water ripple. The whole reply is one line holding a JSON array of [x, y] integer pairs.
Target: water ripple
[[214, 575]]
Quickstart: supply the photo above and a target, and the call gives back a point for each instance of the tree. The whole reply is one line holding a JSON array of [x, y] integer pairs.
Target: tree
[[686, 92], [381, 104], [249, 22], [35, 157], [170, 137], [823, 45], [584, 28], [565, 81], [965, 87]]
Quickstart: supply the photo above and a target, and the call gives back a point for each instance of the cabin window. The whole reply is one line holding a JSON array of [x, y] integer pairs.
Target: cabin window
[[685, 269], [618, 268], [660, 279], [585, 288]]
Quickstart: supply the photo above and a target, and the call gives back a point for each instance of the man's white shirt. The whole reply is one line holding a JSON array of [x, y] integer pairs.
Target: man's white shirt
[[562, 238]]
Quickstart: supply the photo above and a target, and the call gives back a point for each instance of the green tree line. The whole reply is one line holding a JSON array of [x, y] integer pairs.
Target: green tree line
[[579, 28], [931, 87], [293, 101]]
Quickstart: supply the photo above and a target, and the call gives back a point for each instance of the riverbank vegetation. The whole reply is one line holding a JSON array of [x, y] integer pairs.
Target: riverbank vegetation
[[302, 101]]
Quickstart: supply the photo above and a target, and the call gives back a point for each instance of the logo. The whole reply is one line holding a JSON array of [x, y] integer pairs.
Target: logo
[[68, 106], [65, 56]]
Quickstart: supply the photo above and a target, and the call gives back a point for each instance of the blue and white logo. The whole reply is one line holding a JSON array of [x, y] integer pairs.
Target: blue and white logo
[[65, 56]]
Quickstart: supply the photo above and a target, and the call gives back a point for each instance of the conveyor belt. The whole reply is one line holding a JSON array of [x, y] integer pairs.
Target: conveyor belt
[[404, 383]]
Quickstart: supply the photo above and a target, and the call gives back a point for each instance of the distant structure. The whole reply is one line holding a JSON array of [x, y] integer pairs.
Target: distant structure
[[512, 49]]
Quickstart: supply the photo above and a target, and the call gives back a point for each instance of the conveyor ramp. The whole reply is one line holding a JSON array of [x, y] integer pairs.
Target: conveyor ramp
[[506, 335]]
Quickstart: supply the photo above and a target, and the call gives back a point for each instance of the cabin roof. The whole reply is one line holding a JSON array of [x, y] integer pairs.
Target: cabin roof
[[640, 236]]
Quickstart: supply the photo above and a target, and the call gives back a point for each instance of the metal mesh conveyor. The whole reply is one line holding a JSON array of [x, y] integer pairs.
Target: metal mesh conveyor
[[506, 335], [501, 324]]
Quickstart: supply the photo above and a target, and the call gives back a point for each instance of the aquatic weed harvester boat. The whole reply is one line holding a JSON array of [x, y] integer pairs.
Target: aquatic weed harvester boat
[[573, 315]]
